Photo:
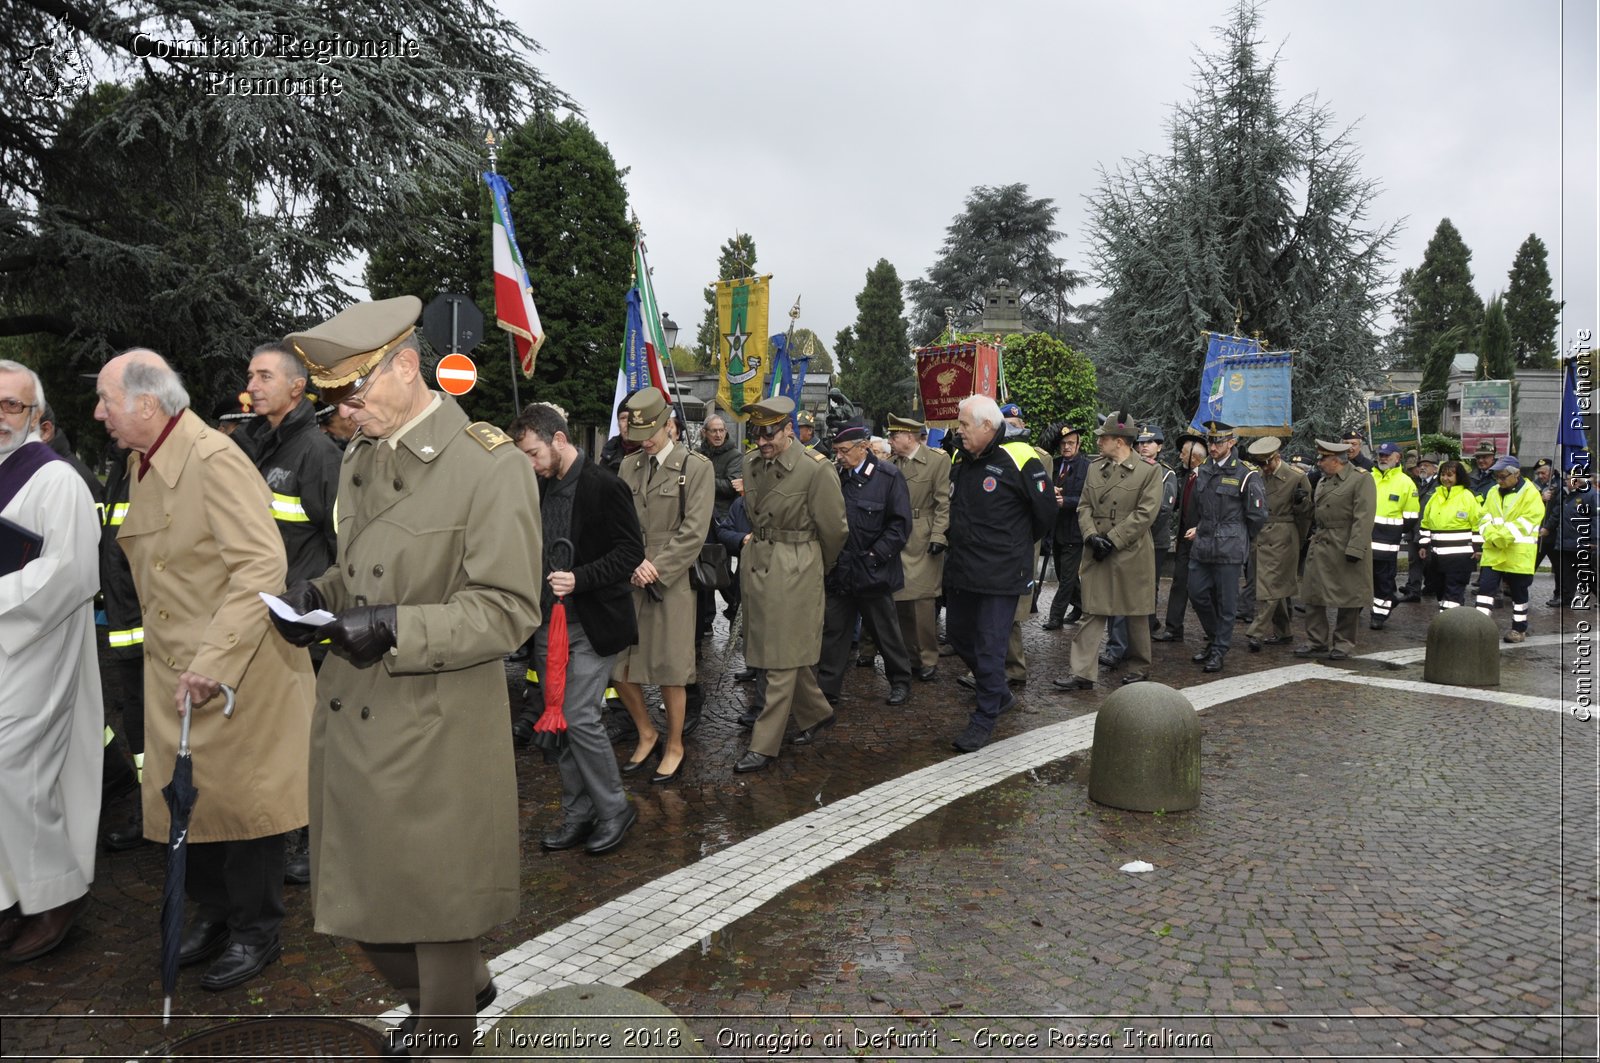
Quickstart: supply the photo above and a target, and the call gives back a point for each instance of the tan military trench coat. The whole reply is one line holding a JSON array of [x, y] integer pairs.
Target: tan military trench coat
[[927, 473], [1120, 500], [1344, 506], [1277, 545], [664, 654], [796, 511], [202, 545], [414, 833]]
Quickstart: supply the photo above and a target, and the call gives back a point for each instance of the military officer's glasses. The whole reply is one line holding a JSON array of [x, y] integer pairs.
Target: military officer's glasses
[[766, 431], [16, 406], [362, 385]]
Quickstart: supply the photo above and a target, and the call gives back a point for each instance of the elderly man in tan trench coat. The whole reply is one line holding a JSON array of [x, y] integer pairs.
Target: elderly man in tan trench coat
[[1117, 576], [1339, 561], [796, 512], [202, 546], [1276, 547], [674, 490], [414, 832], [927, 473]]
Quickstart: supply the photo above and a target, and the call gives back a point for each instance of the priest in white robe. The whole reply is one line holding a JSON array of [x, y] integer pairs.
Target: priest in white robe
[[51, 715]]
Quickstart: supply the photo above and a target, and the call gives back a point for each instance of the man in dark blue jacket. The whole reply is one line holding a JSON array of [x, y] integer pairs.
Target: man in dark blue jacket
[[1001, 504], [591, 508], [861, 584], [1230, 504]]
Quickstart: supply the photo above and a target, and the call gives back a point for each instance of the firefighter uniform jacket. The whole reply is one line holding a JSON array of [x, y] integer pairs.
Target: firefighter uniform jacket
[[301, 466]]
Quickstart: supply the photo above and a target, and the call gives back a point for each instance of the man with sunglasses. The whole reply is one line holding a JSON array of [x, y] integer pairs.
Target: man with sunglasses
[[414, 832], [796, 512]]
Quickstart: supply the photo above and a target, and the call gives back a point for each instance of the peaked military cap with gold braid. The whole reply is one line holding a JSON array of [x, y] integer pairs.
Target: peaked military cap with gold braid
[[774, 409], [905, 424], [344, 351]]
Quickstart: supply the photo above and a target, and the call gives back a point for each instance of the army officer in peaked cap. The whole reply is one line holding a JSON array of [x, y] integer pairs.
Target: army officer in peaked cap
[[796, 511], [414, 835]]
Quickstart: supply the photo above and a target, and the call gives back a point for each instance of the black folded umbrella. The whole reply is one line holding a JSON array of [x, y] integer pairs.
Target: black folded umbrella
[[180, 795]]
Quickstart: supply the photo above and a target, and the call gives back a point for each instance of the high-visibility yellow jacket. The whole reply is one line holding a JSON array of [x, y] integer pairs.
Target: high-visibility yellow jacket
[[1397, 508], [1450, 522], [1509, 525]]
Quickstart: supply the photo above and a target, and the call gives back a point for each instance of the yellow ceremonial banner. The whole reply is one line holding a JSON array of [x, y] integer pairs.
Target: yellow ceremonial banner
[[742, 362]]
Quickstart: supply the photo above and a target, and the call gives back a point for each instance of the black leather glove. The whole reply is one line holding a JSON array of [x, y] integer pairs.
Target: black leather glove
[[1102, 546], [1352, 558], [935, 549], [362, 635], [302, 598]]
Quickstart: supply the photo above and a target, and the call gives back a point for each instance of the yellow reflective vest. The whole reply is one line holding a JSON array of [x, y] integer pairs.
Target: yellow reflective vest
[[1509, 525]]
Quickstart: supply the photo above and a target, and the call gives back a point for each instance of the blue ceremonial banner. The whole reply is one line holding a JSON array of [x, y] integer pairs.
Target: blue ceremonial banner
[[1577, 415], [635, 350], [1218, 347], [1255, 391]]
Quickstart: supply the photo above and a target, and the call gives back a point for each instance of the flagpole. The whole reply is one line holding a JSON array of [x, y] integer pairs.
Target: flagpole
[[511, 342], [666, 360]]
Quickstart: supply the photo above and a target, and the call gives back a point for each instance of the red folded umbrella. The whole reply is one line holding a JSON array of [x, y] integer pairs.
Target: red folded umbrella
[[550, 732]]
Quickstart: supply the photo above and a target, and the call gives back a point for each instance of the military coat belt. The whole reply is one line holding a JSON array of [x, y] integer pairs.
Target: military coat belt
[[1120, 501]]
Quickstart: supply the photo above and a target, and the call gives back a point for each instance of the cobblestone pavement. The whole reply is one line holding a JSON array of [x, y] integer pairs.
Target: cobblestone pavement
[[1378, 868]]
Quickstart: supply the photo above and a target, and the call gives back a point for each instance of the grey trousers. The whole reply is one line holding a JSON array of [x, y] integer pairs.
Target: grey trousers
[[591, 784]]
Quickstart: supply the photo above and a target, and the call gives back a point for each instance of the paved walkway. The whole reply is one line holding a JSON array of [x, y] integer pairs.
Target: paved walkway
[[1379, 867]]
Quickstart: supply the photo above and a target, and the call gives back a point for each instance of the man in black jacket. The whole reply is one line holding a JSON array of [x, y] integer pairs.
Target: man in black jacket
[[1001, 504], [301, 466], [1230, 505], [861, 584], [592, 509], [1072, 467]]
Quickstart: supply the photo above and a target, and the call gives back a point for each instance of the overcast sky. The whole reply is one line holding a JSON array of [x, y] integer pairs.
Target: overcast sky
[[838, 133]]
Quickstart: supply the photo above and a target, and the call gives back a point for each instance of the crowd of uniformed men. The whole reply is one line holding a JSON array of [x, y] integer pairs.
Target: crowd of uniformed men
[[421, 550]]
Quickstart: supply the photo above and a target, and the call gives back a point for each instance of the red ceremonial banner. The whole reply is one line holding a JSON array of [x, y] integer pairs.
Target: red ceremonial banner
[[948, 374]]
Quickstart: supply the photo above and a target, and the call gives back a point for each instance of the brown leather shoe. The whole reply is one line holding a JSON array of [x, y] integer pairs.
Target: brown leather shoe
[[10, 925], [42, 933]]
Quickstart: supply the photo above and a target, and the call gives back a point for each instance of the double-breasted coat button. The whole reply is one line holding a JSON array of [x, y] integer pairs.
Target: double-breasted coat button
[[335, 704], [355, 481], [366, 713], [377, 570], [350, 570], [399, 484]]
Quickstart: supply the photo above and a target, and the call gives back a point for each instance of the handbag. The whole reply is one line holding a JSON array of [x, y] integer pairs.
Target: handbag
[[712, 569]]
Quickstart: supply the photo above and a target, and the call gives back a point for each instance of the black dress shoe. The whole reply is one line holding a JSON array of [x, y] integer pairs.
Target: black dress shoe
[[899, 694], [1277, 640], [969, 681], [1073, 683], [810, 734], [1378, 622], [1016, 681], [522, 732], [864, 662], [1203, 656], [1109, 661], [201, 940], [1135, 677], [747, 719], [1168, 635], [1213, 663], [928, 674], [238, 964], [1072, 616], [1338, 655], [397, 1038], [974, 738], [1254, 643], [1052, 625], [608, 832], [297, 857], [752, 761], [1411, 597], [691, 721], [1555, 603], [1309, 651], [128, 836], [567, 836], [745, 675]]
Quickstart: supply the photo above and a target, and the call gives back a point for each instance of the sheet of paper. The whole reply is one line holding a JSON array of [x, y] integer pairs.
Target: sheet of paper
[[282, 610]]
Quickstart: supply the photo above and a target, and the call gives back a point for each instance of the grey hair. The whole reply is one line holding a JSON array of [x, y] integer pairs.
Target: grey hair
[[985, 409], [154, 377], [290, 363], [8, 366]]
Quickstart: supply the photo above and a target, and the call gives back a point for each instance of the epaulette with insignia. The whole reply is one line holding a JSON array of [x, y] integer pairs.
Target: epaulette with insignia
[[816, 457], [487, 435]]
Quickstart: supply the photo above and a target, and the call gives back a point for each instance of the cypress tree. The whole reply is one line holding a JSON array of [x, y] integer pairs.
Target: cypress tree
[[874, 367], [1532, 312]]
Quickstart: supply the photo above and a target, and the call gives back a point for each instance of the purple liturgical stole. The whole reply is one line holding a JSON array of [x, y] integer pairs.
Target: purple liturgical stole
[[19, 468]]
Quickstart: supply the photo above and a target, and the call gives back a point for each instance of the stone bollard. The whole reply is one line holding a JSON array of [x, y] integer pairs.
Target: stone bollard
[[1463, 649], [1146, 754], [590, 1022]]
